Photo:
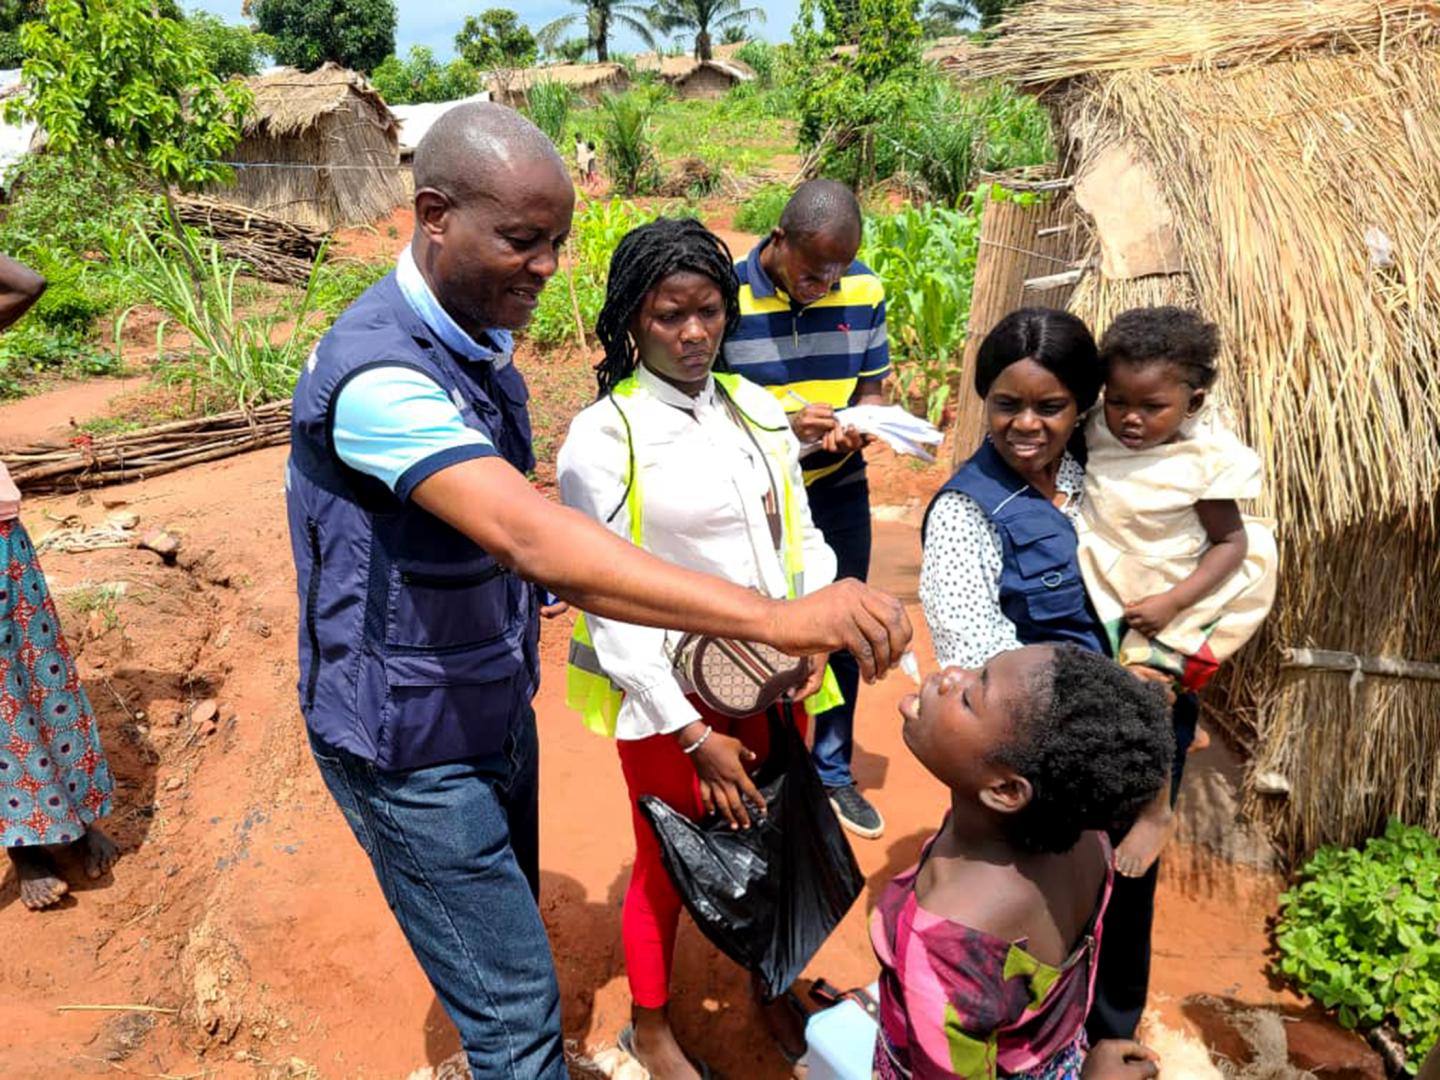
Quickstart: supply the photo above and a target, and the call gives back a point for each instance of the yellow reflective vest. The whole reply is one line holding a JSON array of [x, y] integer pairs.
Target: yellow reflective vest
[[588, 690]]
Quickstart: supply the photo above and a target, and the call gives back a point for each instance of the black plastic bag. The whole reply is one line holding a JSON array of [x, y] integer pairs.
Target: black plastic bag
[[767, 896]]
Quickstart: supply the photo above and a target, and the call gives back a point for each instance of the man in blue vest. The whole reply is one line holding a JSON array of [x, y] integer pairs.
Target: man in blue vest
[[417, 538]]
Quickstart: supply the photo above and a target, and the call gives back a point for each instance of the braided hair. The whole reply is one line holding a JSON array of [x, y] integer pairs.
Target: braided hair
[[644, 257]]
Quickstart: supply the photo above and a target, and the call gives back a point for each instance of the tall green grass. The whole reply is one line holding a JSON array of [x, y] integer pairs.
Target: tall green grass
[[925, 255], [549, 107], [243, 358]]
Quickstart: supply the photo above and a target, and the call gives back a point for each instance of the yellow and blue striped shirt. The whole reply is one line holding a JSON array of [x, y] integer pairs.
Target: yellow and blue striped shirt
[[817, 353]]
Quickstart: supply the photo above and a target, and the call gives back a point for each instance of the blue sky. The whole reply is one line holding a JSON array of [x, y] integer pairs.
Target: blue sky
[[434, 22]]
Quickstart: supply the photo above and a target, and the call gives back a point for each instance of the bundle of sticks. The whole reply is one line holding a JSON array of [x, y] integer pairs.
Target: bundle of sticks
[[92, 461], [276, 249]]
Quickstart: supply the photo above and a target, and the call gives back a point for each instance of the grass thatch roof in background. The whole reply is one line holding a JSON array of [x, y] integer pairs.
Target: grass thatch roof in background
[[319, 148], [290, 102], [1296, 148], [575, 76]]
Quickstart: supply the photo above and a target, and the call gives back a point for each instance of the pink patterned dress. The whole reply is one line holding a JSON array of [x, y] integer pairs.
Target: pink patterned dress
[[960, 1003], [54, 780]]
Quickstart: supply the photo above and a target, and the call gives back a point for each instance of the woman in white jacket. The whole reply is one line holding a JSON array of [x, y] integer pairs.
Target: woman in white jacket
[[702, 470]]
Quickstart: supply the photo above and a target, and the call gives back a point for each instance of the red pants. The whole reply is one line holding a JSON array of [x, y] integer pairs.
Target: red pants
[[657, 766]]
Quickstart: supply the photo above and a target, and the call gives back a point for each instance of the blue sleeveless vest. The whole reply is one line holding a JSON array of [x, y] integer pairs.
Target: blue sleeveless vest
[[1041, 591], [416, 647]]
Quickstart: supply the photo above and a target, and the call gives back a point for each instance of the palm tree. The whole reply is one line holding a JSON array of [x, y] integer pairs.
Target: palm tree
[[701, 17], [601, 18]]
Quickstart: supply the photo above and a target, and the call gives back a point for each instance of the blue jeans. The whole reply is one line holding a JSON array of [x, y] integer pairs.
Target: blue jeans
[[456, 850], [846, 528]]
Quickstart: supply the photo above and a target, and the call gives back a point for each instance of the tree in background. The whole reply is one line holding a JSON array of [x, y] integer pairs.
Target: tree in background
[[420, 77], [842, 102], [701, 17], [496, 39], [356, 34], [229, 49], [113, 82], [13, 15], [734, 35], [602, 18], [570, 51], [955, 14]]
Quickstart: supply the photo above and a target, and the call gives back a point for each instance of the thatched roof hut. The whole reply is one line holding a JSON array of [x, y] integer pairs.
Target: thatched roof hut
[[587, 80], [1276, 163], [324, 147], [693, 78]]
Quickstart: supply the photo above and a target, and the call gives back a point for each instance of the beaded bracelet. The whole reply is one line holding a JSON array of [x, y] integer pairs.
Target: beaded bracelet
[[698, 742]]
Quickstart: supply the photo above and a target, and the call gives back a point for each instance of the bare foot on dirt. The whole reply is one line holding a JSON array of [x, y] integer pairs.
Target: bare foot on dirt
[[1144, 842], [653, 1044], [99, 850], [41, 885], [1200, 742]]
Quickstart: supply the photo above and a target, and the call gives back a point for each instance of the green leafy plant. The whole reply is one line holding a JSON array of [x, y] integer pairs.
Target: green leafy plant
[[628, 150], [244, 358], [1360, 933], [596, 231], [420, 77], [926, 257], [761, 211], [548, 106], [229, 49]]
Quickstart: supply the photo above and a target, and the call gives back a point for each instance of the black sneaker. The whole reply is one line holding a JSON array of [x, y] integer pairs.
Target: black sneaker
[[855, 811]]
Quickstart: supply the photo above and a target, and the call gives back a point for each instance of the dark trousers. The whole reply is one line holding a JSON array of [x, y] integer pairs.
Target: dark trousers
[[1123, 979], [456, 850], [844, 520]]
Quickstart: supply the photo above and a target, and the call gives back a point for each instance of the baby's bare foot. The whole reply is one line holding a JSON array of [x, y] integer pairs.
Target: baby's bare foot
[[1143, 843]]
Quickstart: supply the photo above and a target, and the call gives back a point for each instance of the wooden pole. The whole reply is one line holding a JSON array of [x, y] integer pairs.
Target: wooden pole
[[1018, 243], [1353, 664]]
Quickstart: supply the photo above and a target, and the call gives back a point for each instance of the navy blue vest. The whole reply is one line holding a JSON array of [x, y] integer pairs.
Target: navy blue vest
[[416, 647], [1041, 591]]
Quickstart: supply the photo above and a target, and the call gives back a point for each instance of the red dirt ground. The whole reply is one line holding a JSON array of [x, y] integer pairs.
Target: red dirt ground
[[242, 902]]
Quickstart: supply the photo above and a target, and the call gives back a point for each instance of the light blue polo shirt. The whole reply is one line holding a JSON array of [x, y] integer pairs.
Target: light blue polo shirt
[[397, 424]]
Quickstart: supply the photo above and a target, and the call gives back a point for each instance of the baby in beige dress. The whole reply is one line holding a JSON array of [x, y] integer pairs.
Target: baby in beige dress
[[1179, 577]]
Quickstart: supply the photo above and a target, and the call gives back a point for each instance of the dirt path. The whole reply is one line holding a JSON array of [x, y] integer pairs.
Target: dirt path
[[47, 417], [243, 902]]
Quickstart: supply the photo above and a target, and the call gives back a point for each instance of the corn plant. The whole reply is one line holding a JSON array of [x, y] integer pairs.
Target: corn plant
[[549, 107], [594, 235], [247, 359], [926, 257]]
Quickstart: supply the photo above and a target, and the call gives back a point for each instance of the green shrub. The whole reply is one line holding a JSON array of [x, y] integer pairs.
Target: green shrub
[[926, 258], [549, 107], [62, 206], [628, 149], [760, 57], [1360, 933], [761, 211]]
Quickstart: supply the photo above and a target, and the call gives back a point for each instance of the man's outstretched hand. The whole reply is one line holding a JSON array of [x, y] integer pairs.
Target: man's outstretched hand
[[871, 624]]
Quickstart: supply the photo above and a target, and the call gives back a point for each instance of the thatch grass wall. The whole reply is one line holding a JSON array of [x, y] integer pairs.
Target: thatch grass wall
[[341, 138], [1297, 145]]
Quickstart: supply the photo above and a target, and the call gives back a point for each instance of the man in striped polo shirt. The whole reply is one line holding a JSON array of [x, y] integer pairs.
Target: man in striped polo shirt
[[812, 329]]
